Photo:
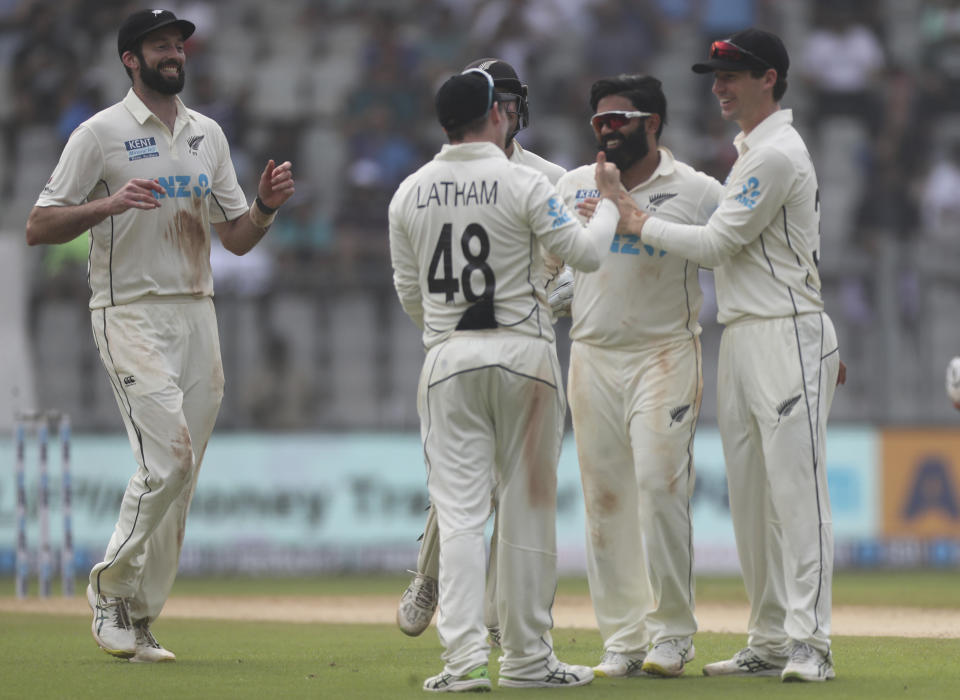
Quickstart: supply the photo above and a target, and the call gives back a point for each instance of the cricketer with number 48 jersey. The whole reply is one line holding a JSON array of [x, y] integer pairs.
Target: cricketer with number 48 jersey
[[460, 225], [642, 295], [158, 252]]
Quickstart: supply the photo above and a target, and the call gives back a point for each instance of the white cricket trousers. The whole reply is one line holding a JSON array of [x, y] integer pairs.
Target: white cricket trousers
[[634, 417], [428, 563], [491, 413], [775, 386], [163, 360]]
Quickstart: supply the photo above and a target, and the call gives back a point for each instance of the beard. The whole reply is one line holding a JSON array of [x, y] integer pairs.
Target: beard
[[155, 80], [631, 149]]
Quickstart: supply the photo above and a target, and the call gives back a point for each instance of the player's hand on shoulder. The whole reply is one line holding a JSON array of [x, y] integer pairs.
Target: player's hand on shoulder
[[139, 193], [276, 184]]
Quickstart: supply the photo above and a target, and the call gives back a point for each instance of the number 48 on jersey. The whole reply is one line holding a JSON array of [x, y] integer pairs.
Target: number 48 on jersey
[[441, 278]]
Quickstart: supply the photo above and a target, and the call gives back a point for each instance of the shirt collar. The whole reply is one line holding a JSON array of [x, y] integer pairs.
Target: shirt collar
[[470, 151], [665, 167], [763, 131], [142, 113]]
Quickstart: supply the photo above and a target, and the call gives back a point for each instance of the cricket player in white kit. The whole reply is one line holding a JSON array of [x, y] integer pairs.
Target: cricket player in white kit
[[779, 362], [147, 177], [419, 600], [466, 232], [635, 387]]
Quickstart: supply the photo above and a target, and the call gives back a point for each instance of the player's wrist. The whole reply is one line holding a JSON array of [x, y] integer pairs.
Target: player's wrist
[[261, 216], [264, 208]]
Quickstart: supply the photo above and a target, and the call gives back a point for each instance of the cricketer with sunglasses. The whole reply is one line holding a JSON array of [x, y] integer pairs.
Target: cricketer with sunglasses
[[635, 388], [468, 270], [779, 362], [419, 601]]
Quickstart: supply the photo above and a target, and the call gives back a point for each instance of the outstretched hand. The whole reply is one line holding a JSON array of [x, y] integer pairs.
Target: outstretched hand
[[276, 184]]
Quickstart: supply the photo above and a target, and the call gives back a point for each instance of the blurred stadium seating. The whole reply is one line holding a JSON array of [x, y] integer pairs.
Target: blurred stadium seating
[[313, 337]]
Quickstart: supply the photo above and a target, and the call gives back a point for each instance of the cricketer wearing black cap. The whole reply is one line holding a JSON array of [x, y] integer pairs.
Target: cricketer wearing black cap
[[141, 23], [463, 102], [751, 49]]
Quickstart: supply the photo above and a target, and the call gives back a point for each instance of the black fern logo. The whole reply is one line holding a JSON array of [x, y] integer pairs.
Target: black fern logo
[[677, 414], [785, 407]]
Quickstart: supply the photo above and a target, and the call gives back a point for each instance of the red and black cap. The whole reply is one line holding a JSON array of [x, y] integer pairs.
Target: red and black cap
[[748, 49], [141, 23]]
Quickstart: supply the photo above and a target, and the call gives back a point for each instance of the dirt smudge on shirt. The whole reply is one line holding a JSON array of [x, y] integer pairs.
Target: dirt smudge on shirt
[[188, 233]]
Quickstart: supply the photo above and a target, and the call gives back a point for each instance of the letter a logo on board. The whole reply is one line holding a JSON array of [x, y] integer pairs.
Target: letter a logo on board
[[932, 490]]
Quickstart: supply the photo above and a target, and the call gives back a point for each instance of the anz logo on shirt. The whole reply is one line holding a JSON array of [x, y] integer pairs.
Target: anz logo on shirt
[[626, 244], [750, 193], [557, 212], [183, 186]]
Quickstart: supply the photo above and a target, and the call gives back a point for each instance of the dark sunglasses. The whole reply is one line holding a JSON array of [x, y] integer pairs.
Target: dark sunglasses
[[726, 51], [614, 119]]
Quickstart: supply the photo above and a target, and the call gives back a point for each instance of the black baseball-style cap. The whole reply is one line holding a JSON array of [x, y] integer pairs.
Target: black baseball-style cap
[[464, 97], [504, 76], [141, 23], [746, 50]]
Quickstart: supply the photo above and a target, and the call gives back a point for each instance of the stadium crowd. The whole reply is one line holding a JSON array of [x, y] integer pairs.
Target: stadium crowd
[[344, 90]]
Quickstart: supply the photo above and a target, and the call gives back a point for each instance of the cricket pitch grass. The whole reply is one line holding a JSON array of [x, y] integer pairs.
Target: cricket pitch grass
[[896, 635]]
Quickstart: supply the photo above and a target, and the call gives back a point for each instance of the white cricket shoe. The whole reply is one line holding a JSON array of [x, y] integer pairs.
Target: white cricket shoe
[[149, 649], [560, 676], [476, 681], [668, 658], [493, 636], [807, 664], [617, 665], [417, 605], [111, 627], [744, 663]]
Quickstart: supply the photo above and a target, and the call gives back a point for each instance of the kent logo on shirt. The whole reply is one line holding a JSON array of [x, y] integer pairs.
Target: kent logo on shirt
[[582, 194], [141, 148]]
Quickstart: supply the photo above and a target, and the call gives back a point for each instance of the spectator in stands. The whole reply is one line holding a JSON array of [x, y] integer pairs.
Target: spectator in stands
[[842, 62], [940, 199]]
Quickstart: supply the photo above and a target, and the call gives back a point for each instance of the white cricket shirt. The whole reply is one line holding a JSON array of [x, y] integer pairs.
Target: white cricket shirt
[[764, 239], [467, 227], [163, 251], [521, 157], [642, 295], [554, 172]]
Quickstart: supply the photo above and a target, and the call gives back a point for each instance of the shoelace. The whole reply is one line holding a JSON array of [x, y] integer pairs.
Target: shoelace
[[425, 595], [145, 637], [121, 617]]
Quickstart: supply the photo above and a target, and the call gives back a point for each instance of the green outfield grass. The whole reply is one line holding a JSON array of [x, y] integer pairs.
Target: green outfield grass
[[50, 656], [913, 588], [54, 657]]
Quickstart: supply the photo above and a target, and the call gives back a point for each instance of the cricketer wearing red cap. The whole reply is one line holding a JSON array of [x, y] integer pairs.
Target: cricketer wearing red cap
[[779, 362]]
